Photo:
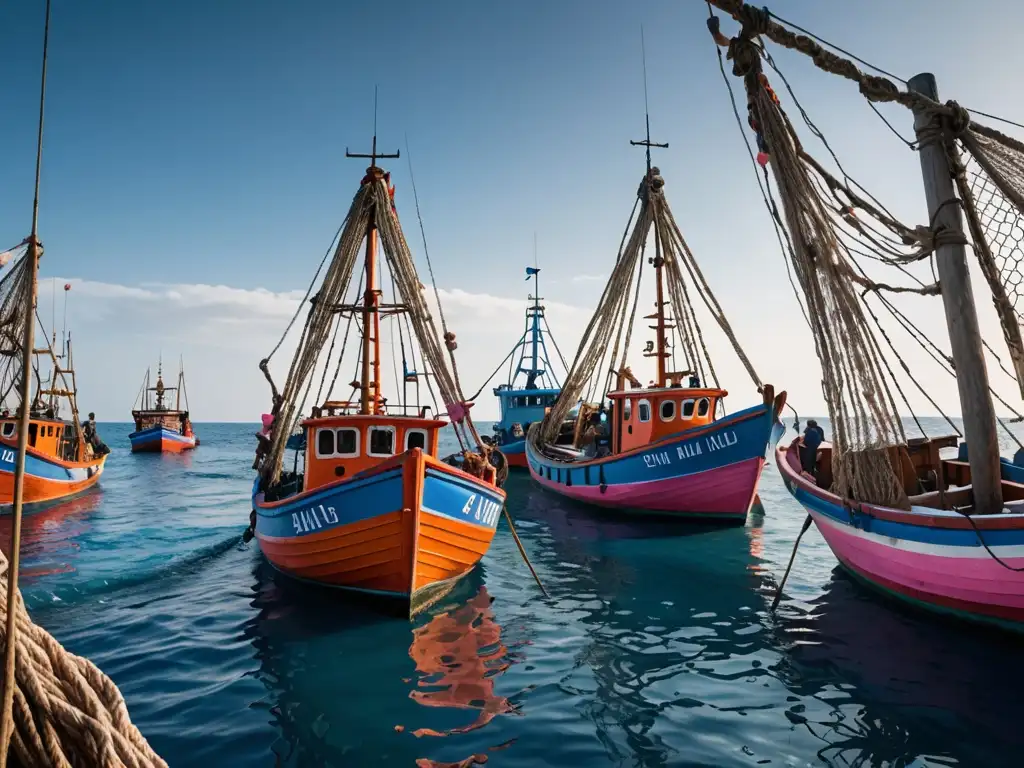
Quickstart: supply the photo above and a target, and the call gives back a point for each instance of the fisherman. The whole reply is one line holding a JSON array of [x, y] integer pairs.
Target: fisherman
[[92, 437], [813, 437], [694, 381]]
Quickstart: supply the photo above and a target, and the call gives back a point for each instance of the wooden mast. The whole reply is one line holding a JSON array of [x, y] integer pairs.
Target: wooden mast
[[370, 376], [14, 558], [659, 316], [961, 315]]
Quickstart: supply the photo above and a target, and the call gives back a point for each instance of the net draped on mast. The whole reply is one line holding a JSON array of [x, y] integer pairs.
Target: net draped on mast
[[990, 187], [819, 215], [372, 203], [15, 293], [601, 357]]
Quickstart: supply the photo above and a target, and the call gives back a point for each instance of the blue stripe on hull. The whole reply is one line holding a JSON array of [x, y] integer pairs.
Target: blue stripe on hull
[[458, 498], [153, 436], [731, 440], [925, 534], [513, 448], [322, 509], [43, 468]]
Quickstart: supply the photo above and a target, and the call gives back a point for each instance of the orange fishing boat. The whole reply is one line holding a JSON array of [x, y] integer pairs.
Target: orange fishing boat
[[63, 457], [373, 508]]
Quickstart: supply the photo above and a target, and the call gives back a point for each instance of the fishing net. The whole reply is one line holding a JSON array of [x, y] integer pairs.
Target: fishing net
[[602, 354], [372, 202], [993, 191], [861, 408], [15, 292]]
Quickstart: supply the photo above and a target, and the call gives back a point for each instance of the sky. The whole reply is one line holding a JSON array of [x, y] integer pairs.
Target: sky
[[194, 168]]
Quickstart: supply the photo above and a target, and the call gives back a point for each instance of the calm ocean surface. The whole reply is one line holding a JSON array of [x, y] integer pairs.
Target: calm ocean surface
[[655, 648]]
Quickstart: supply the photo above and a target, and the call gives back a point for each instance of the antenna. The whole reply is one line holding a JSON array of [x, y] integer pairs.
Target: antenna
[[647, 112], [373, 152]]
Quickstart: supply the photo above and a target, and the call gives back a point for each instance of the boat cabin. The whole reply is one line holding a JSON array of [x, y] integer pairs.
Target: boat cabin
[[341, 446], [522, 407], [642, 416], [51, 437]]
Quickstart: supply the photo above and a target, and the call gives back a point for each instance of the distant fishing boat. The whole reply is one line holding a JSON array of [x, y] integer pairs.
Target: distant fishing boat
[[373, 508], [159, 429], [666, 447], [63, 457], [522, 406]]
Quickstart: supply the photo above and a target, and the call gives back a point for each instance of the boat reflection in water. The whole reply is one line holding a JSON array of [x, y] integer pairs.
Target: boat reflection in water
[[360, 687], [878, 670], [50, 535]]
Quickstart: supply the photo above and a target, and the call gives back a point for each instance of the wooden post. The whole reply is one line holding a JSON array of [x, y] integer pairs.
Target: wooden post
[[961, 315]]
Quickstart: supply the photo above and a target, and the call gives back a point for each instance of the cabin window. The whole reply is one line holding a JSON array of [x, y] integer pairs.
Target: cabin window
[[348, 442], [668, 410], [382, 441], [32, 430], [49, 431], [324, 442], [8, 429], [686, 409], [644, 410], [627, 409], [703, 406], [415, 438]]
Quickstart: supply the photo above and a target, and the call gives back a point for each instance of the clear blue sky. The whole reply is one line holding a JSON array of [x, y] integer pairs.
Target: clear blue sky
[[194, 166]]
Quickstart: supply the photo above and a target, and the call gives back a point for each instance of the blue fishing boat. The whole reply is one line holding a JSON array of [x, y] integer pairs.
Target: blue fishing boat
[[521, 406]]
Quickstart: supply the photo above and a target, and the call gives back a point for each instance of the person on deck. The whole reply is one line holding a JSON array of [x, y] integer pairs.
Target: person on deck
[[92, 437], [813, 437], [694, 381]]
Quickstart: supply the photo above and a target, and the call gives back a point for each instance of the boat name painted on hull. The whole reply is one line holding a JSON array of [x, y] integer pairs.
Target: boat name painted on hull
[[486, 512], [7, 455], [306, 520], [692, 448]]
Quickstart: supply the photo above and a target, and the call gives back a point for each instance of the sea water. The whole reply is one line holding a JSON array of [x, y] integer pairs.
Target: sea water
[[656, 646]]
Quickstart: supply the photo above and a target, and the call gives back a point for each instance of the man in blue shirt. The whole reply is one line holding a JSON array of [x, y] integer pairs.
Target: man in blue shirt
[[813, 437]]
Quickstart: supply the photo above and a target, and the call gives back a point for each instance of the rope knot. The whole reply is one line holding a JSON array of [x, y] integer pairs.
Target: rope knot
[[755, 20], [744, 54], [959, 120]]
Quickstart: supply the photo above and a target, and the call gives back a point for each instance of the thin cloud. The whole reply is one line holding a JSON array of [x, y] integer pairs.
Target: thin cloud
[[588, 278]]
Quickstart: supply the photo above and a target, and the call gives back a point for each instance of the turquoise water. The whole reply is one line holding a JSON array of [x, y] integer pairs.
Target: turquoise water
[[656, 647]]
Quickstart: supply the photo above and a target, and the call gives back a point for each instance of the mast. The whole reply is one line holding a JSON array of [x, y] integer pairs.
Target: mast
[[535, 329], [14, 559], [659, 315], [961, 315], [370, 376]]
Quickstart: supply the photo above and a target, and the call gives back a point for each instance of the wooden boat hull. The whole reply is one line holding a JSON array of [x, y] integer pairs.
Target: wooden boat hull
[[707, 473], [46, 478], [927, 557], [405, 529], [158, 439], [515, 453]]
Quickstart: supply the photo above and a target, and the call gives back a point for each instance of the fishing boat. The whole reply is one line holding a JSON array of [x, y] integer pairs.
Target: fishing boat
[[159, 429], [373, 507], [908, 517], [521, 406], [667, 447], [63, 457]]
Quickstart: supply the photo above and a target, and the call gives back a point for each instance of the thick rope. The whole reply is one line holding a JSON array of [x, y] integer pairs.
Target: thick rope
[[66, 711]]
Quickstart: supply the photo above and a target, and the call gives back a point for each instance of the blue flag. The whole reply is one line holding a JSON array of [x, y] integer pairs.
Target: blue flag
[[531, 271]]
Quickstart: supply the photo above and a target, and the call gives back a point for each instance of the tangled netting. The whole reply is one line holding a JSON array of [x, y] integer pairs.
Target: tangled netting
[[15, 290], [66, 711], [371, 203], [861, 409], [993, 201]]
